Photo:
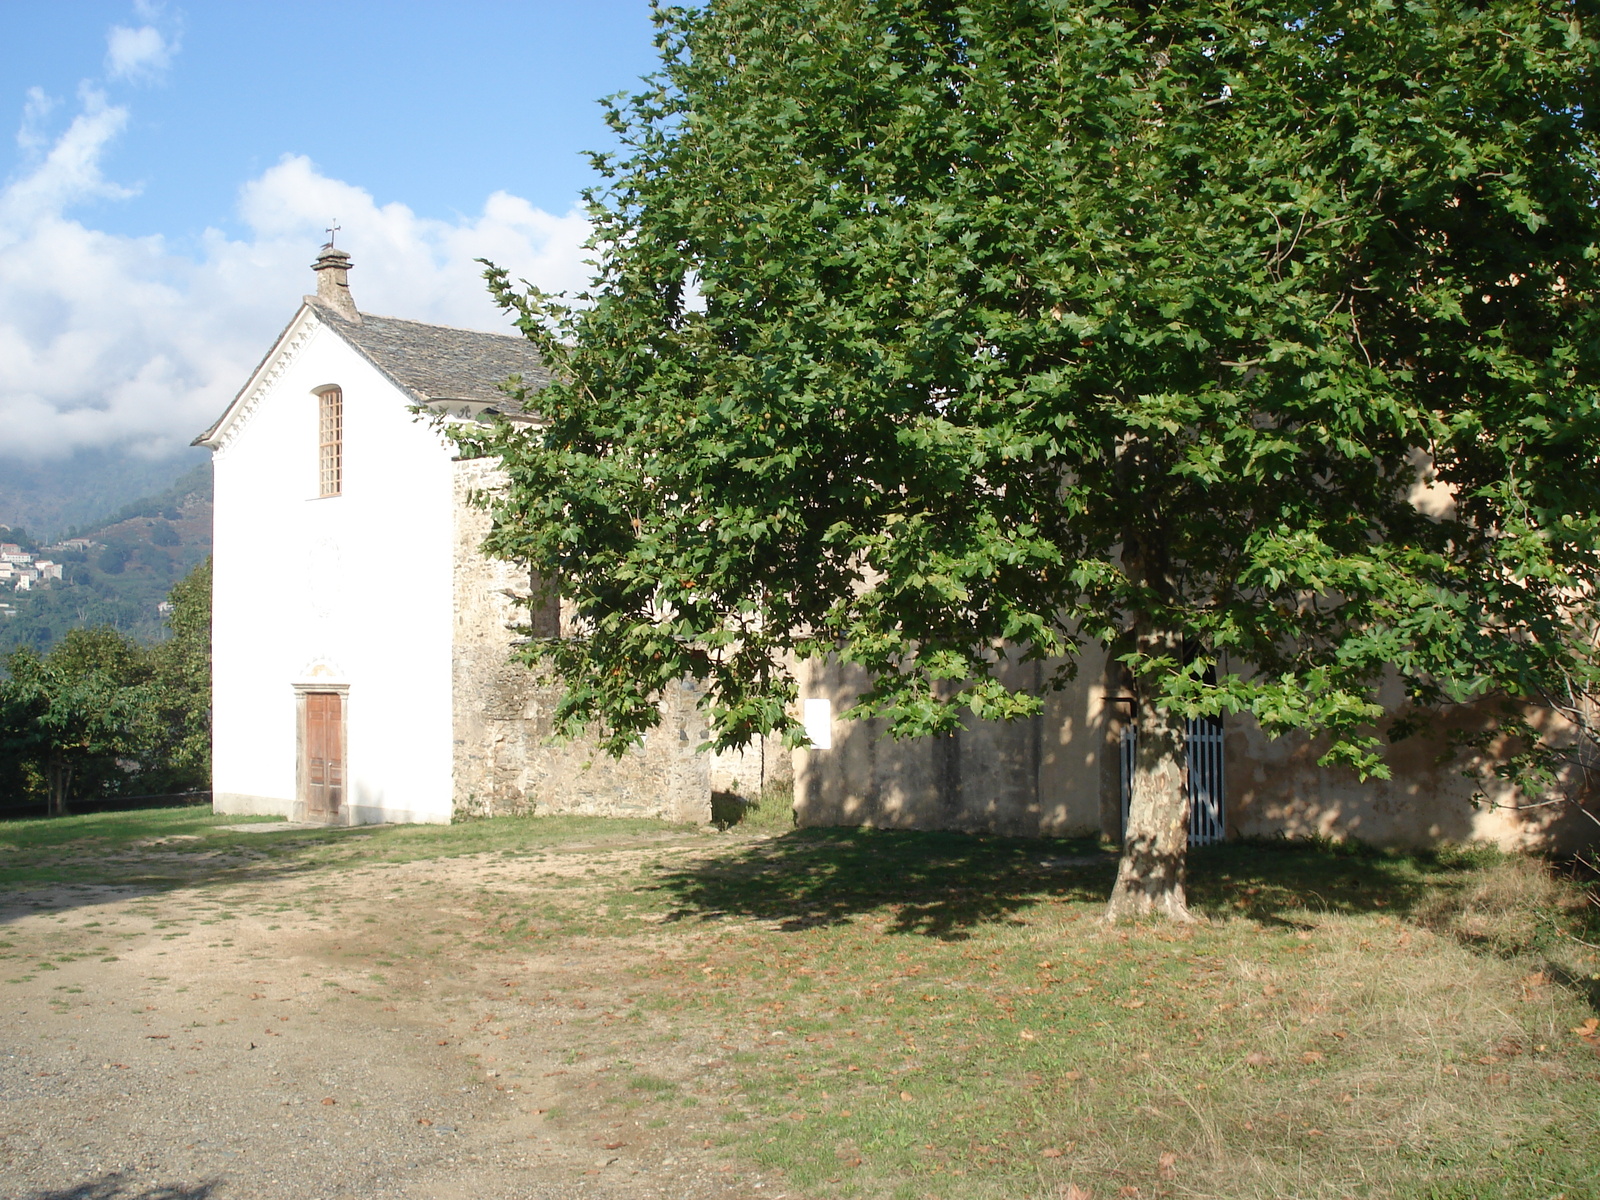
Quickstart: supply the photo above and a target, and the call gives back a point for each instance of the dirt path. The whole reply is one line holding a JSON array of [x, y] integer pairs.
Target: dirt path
[[271, 1030]]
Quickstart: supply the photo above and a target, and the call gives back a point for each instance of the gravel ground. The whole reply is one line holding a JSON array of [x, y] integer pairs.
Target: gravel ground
[[227, 1040]]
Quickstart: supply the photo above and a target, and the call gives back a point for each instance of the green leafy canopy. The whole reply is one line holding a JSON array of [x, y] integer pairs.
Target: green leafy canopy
[[101, 714], [923, 329]]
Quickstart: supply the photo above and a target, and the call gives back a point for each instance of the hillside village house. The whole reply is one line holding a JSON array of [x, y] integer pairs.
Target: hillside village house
[[361, 645], [20, 570]]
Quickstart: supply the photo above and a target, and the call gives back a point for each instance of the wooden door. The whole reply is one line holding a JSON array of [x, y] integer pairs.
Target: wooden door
[[324, 748]]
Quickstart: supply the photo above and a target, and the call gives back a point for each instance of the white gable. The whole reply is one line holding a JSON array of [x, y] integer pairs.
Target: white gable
[[349, 592]]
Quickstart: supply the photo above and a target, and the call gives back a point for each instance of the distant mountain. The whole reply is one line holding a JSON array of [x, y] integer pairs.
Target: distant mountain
[[133, 558], [49, 496]]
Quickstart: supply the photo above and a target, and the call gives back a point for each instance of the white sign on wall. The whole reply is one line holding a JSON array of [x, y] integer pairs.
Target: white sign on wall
[[817, 717]]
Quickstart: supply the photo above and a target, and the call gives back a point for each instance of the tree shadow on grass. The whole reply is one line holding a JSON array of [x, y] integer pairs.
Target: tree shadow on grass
[[935, 884], [942, 885], [63, 886], [1275, 880], [116, 1187]]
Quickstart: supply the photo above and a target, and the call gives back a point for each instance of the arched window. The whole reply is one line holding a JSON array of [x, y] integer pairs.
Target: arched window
[[330, 426]]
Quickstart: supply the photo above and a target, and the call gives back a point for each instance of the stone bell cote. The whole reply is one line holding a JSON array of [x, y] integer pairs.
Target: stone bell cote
[[333, 282]]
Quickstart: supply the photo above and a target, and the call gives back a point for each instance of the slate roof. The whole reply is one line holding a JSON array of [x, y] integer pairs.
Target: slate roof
[[426, 362], [438, 362]]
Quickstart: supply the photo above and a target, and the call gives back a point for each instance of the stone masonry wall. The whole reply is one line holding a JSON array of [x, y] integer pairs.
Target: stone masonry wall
[[505, 758]]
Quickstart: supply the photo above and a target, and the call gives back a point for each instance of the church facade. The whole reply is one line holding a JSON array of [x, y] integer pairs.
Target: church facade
[[361, 641]]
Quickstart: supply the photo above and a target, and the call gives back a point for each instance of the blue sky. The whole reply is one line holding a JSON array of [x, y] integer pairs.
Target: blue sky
[[173, 166]]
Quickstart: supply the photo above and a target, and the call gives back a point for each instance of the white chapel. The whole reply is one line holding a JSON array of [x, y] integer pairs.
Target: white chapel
[[361, 642]]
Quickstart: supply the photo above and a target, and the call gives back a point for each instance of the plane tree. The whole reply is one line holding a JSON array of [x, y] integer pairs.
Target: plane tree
[[1253, 342]]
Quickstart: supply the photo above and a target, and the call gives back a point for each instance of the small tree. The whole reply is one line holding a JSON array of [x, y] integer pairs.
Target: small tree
[[924, 329], [73, 713], [180, 678]]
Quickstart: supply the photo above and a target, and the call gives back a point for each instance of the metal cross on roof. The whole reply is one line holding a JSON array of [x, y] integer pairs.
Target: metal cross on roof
[[333, 229]]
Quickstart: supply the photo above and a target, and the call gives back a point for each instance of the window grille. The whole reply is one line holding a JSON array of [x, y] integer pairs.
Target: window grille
[[332, 442]]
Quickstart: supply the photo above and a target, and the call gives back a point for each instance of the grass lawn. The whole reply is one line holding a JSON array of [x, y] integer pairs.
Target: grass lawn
[[937, 1015]]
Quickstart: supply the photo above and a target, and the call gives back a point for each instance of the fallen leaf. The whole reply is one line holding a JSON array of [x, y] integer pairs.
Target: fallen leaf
[[1588, 1028], [1166, 1165], [1074, 1192], [1270, 990], [1073, 1076], [1312, 1056], [1128, 1191], [905, 1095], [1499, 1079], [1257, 1059], [329, 1100], [613, 1146], [1026, 1036], [442, 1042], [1050, 1152], [158, 1037], [1134, 1004], [424, 1121], [1314, 1133], [1536, 980]]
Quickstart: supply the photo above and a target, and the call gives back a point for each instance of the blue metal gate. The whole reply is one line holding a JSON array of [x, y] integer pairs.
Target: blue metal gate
[[1203, 743]]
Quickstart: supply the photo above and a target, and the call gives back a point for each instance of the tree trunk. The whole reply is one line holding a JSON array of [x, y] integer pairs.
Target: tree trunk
[[1156, 840], [58, 779]]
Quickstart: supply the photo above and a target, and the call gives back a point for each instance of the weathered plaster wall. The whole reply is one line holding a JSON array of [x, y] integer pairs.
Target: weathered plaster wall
[[1275, 788], [505, 758], [1026, 778], [1059, 775]]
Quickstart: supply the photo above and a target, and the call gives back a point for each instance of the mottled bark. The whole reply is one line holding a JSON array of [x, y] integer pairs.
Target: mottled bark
[[1156, 840]]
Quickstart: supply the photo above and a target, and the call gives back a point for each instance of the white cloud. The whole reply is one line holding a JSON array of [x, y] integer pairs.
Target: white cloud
[[70, 170], [108, 340], [30, 134], [139, 55]]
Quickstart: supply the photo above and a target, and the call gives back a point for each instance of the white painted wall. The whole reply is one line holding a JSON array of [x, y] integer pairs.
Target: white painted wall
[[353, 589]]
